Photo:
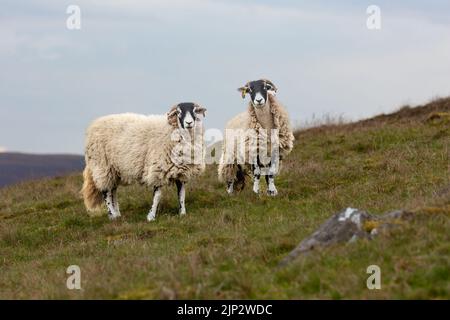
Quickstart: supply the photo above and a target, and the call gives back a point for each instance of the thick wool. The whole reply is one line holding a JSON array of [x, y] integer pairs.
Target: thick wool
[[274, 117], [125, 148]]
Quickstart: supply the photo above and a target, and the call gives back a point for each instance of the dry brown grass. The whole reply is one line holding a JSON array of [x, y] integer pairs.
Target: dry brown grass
[[229, 247]]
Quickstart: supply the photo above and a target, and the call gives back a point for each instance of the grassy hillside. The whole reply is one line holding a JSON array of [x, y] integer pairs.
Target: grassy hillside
[[229, 247]]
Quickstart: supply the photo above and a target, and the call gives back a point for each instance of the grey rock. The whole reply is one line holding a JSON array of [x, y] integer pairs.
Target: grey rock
[[345, 226]]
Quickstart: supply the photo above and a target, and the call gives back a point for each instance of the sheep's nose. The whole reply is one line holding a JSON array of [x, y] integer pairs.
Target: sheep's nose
[[188, 123], [259, 100]]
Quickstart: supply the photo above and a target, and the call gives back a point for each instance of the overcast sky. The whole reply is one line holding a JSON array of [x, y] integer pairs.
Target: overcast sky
[[144, 56]]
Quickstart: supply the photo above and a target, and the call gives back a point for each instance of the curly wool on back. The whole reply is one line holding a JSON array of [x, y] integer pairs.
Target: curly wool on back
[[277, 118]]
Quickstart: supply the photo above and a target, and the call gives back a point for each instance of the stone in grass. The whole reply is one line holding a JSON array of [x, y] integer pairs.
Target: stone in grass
[[345, 226]]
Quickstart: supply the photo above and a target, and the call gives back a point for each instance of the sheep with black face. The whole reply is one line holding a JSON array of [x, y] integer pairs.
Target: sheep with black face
[[265, 117], [125, 148]]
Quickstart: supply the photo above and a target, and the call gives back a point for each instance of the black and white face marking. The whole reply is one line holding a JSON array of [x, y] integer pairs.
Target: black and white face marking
[[259, 91], [188, 114]]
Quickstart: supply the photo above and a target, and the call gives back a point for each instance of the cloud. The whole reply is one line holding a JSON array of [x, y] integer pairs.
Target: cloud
[[144, 55]]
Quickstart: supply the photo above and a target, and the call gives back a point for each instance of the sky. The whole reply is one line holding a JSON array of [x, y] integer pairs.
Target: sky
[[145, 56]]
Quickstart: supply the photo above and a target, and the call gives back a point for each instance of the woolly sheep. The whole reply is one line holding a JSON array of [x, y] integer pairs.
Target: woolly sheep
[[125, 148], [264, 113]]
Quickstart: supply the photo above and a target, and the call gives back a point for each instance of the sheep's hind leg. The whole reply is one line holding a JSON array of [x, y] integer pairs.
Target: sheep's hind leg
[[181, 196], [110, 198], [156, 197]]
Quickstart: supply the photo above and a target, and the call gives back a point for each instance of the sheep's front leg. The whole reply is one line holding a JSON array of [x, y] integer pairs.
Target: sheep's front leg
[[256, 178], [230, 187], [110, 198], [181, 196], [116, 202], [156, 198], [271, 189], [270, 177]]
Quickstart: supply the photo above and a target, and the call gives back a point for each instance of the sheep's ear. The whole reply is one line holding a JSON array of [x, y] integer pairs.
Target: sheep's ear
[[200, 110], [271, 88], [244, 90], [172, 116]]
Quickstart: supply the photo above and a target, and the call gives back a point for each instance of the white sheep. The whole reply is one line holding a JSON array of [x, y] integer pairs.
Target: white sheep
[[125, 148], [265, 118]]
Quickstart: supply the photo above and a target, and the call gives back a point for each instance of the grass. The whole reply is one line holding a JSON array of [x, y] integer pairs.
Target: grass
[[229, 247]]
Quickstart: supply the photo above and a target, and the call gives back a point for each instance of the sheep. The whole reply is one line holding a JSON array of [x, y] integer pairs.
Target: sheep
[[267, 119], [125, 148]]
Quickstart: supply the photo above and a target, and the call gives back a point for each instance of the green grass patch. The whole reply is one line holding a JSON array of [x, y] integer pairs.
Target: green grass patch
[[229, 247]]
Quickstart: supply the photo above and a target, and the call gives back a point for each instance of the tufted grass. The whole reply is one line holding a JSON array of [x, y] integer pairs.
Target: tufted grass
[[229, 247]]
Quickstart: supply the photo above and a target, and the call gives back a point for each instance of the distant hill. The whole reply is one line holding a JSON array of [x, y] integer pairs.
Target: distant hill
[[16, 167]]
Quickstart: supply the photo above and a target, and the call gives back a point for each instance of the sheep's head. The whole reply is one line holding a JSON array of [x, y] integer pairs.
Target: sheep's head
[[185, 115], [258, 91]]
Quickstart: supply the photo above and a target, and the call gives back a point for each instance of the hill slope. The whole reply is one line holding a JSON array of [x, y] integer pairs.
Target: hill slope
[[16, 167], [229, 247]]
